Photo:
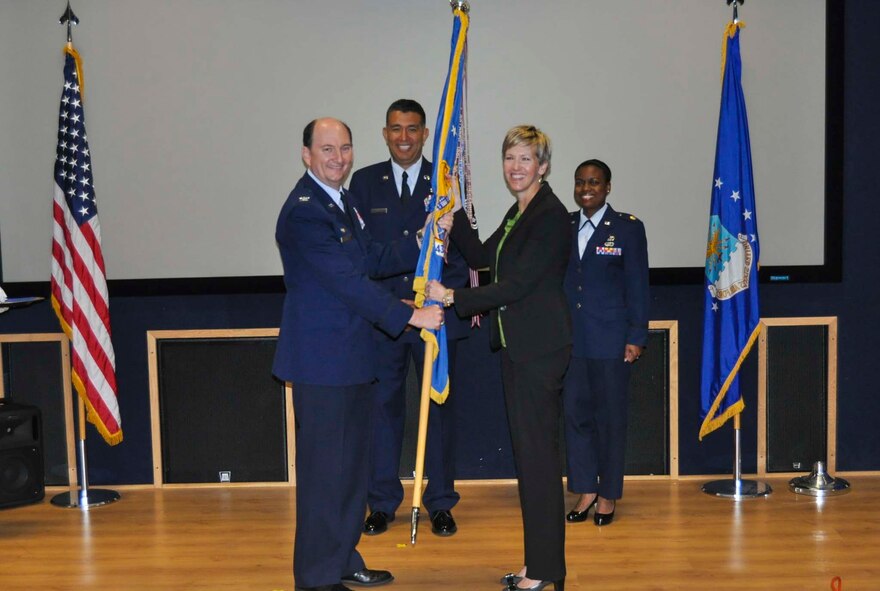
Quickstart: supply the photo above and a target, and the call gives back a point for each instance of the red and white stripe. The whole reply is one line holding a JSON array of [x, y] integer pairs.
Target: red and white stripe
[[80, 298]]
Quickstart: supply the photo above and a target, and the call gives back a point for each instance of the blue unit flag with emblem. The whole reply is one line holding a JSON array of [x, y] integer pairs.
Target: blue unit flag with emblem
[[731, 315], [445, 188]]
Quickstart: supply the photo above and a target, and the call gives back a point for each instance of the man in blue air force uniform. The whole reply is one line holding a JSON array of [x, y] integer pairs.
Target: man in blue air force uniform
[[391, 195], [325, 348], [607, 288]]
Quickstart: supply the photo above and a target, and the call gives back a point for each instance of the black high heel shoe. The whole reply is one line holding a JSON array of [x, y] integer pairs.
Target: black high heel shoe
[[601, 519], [510, 579], [578, 516]]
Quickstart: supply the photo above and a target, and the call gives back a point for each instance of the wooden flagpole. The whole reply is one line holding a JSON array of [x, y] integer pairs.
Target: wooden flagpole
[[424, 409]]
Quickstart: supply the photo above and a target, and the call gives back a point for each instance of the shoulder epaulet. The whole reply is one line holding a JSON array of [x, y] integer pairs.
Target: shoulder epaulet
[[301, 195], [574, 216], [626, 216]]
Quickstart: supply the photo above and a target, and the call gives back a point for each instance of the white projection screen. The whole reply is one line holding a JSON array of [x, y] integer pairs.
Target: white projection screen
[[195, 110]]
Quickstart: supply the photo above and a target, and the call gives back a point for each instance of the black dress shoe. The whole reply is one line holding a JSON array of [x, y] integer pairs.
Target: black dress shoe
[[557, 586], [442, 523], [603, 518], [578, 516], [367, 577], [377, 523]]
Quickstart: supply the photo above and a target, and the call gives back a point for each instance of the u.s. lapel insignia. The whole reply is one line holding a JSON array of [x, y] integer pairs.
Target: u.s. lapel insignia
[[331, 205], [427, 177], [607, 223], [304, 198], [384, 177]]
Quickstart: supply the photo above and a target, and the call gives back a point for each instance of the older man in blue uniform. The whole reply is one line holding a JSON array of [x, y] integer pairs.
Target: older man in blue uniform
[[392, 194], [325, 349], [607, 288]]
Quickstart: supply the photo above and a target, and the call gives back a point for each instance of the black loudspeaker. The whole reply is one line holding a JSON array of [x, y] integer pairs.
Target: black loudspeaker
[[797, 397], [222, 414], [21, 455]]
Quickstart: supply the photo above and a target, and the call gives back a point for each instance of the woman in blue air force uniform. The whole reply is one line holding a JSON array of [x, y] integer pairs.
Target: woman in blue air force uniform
[[607, 289]]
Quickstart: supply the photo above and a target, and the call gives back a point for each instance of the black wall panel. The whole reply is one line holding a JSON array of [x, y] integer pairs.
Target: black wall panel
[[221, 411], [797, 397], [647, 434]]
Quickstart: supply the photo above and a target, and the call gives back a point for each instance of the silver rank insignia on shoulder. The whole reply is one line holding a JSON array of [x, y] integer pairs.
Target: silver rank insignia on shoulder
[[304, 198]]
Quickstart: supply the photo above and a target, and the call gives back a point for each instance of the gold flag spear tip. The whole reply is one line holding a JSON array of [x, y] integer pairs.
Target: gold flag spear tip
[[69, 19]]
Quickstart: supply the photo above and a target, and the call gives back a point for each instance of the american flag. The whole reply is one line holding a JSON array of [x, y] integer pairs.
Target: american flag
[[79, 285]]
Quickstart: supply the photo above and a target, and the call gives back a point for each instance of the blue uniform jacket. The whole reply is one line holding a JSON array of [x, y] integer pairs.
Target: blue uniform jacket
[[375, 192], [607, 289], [331, 303]]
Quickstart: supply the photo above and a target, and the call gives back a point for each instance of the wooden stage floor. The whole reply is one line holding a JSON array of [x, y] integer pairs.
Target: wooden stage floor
[[667, 536]]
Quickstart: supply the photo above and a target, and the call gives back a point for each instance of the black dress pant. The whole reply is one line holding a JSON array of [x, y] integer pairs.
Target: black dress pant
[[332, 472], [389, 420], [532, 391]]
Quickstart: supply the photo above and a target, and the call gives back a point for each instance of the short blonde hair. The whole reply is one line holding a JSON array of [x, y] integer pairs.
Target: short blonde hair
[[529, 135]]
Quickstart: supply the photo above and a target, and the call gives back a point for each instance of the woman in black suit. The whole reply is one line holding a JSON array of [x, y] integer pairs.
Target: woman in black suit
[[530, 323]]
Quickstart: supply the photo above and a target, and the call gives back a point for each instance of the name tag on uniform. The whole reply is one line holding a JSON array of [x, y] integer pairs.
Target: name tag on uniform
[[609, 251], [379, 210]]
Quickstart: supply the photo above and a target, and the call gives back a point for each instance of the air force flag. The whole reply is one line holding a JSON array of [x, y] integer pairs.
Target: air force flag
[[731, 316]]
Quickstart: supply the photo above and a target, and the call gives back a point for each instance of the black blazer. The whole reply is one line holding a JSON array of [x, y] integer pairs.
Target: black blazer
[[526, 289]]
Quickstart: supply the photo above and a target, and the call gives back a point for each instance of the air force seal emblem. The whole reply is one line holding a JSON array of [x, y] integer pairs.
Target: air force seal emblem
[[729, 261]]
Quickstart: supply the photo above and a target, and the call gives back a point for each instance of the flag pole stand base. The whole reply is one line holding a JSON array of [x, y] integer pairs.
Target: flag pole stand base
[[819, 483], [737, 489], [85, 500]]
